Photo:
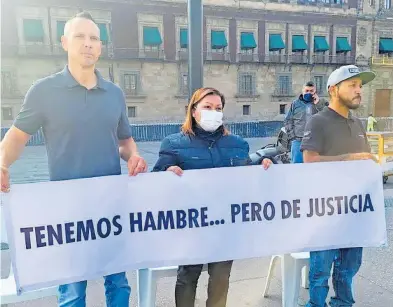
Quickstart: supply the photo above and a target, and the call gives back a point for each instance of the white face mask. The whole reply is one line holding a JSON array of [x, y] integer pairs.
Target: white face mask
[[210, 120]]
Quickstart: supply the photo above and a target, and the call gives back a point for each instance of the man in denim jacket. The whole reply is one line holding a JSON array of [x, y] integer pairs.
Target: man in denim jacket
[[300, 112]]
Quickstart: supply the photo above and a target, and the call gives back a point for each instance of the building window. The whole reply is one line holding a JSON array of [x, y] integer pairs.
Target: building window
[[131, 84], [299, 47], [218, 41], [131, 111], [284, 86], [246, 84], [183, 39], [184, 84], [388, 4], [320, 45], [7, 113], [247, 51], [276, 43], [282, 108], [104, 37], [60, 29], [386, 46], [33, 30], [6, 83], [299, 44], [247, 42], [246, 109], [342, 46], [319, 84], [151, 38], [276, 48]]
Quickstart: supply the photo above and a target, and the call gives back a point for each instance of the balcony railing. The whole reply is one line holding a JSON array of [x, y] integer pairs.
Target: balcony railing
[[284, 91], [126, 53], [11, 92], [247, 57], [116, 53], [342, 59], [42, 50], [35, 49], [298, 59], [151, 54], [276, 58], [223, 56], [183, 55], [333, 59], [320, 59], [326, 3], [134, 93], [382, 60]]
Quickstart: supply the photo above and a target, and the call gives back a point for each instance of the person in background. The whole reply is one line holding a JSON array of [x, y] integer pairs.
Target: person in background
[[371, 121], [334, 134], [299, 113], [204, 142], [86, 129]]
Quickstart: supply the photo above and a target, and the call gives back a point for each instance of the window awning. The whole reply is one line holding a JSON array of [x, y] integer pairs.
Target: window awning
[[183, 38], [151, 36], [342, 45], [103, 32], [60, 29], [219, 41], [247, 41], [33, 30], [320, 43], [386, 45], [276, 42], [298, 43]]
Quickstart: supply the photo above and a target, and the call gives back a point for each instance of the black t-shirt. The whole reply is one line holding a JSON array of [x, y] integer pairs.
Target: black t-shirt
[[330, 134]]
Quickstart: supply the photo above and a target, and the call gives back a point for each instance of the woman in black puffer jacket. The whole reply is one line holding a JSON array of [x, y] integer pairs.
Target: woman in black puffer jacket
[[203, 143]]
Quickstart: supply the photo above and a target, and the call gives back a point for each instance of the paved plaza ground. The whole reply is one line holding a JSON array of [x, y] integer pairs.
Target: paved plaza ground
[[373, 284]]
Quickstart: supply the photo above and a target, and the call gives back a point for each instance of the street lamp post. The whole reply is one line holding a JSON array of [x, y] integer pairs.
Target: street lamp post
[[195, 45]]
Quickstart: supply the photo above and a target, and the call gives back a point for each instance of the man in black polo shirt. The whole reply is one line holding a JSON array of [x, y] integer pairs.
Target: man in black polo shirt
[[334, 134], [299, 113]]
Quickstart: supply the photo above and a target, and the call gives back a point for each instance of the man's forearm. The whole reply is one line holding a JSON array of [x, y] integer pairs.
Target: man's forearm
[[11, 146], [127, 148], [317, 158], [9, 153]]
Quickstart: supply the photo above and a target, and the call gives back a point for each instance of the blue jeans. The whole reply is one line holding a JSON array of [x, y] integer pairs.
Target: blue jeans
[[296, 154], [117, 292], [346, 263]]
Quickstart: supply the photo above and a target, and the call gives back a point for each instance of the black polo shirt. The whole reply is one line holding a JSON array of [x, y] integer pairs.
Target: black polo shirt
[[330, 134], [82, 127]]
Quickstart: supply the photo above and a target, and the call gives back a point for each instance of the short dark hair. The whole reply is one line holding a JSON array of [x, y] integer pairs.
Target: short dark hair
[[84, 15], [309, 84], [336, 85]]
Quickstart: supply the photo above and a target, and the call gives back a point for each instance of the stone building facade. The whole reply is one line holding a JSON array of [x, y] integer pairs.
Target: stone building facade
[[258, 53]]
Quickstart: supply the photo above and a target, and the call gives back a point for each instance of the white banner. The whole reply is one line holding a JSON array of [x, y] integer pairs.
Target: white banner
[[74, 230]]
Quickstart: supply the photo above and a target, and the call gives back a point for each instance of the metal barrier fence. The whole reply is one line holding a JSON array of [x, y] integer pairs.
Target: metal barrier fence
[[252, 129], [157, 132], [383, 124]]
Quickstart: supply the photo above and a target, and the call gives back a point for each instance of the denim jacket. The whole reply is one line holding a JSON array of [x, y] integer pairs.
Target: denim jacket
[[298, 115]]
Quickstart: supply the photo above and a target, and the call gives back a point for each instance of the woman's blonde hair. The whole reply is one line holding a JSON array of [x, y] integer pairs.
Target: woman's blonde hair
[[199, 94]]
